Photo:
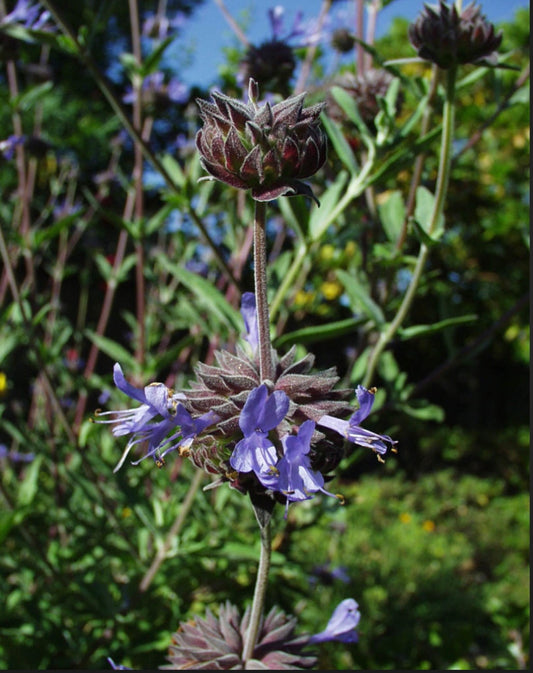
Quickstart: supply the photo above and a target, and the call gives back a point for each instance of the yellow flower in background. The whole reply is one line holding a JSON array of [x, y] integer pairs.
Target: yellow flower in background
[[331, 289], [327, 252], [3, 383], [428, 526], [405, 517], [303, 298]]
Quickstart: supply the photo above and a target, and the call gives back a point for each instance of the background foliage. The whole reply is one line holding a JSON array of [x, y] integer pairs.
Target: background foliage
[[434, 544]]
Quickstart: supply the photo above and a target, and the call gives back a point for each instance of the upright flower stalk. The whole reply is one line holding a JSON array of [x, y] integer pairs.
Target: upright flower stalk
[[260, 285], [265, 423], [261, 583]]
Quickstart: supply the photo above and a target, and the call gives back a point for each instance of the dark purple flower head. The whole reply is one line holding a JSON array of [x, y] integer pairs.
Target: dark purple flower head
[[156, 401], [352, 430], [342, 625], [256, 453], [249, 314], [268, 149], [296, 479], [443, 35]]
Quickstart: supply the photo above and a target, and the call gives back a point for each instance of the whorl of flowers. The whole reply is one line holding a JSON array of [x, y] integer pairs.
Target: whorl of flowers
[[278, 437], [267, 149], [216, 643], [447, 38]]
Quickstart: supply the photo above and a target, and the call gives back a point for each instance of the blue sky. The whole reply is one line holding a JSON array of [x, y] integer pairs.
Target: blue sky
[[207, 31]]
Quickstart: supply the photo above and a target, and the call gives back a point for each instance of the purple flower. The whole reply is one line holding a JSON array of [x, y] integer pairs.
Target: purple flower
[[15, 456], [296, 479], [275, 15], [7, 146], [249, 314], [256, 453], [351, 428], [325, 574], [117, 667], [154, 89], [156, 400], [342, 624], [30, 15], [157, 26]]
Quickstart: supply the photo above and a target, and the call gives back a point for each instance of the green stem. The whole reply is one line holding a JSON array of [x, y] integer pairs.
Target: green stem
[[261, 582], [441, 189], [260, 278]]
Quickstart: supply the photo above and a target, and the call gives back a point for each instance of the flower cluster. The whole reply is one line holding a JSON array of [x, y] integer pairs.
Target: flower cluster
[[278, 438], [268, 149]]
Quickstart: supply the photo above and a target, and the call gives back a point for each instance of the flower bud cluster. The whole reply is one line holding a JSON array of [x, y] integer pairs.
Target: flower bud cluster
[[268, 149], [447, 38]]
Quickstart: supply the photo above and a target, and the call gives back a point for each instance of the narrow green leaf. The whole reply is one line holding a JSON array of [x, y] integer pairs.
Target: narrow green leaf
[[173, 169], [422, 330], [349, 107], [28, 99], [320, 332], [211, 299], [151, 63], [423, 410], [360, 299], [320, 217], [53, 230], [111, 348], [28, 487], [340, 144]]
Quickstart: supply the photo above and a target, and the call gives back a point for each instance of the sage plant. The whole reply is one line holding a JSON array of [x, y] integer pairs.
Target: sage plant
[[264, 423]]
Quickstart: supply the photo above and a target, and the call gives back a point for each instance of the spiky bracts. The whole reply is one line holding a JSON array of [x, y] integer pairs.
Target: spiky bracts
[[216, 643], [267, 149]]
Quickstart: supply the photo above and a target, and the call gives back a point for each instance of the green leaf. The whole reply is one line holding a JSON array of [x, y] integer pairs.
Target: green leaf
[[360, 299], [157, 220], [47, 234], [349, 107], [421, 330], [425, 203], [320, 332], [208, 296], [7, 521], [392, 214], [28, 99], [423, 410], [173, 169], [151, 63], [130, 64], [320, 217], [28, 487], [111, 348], [340, 144]]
